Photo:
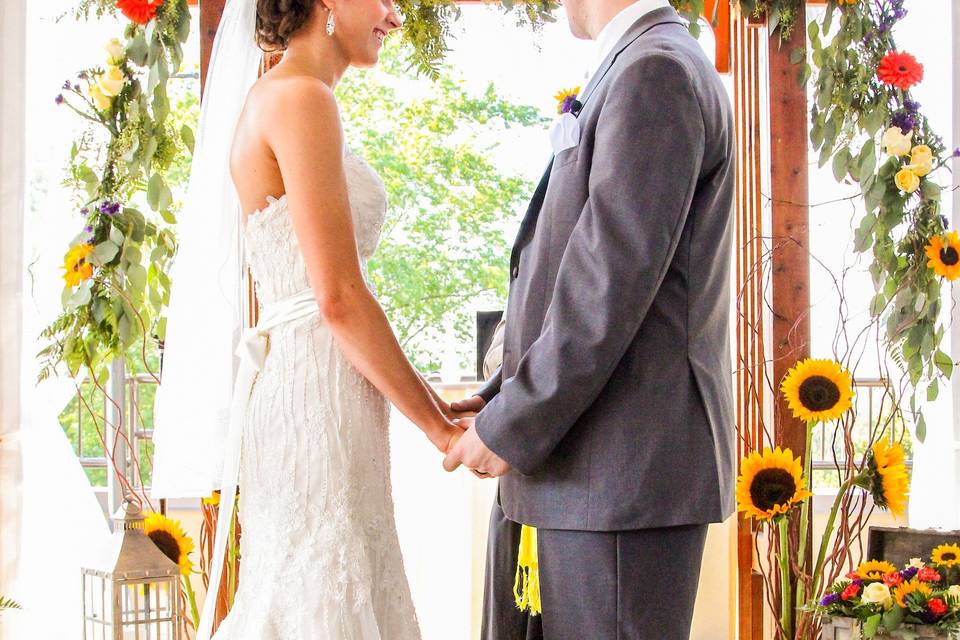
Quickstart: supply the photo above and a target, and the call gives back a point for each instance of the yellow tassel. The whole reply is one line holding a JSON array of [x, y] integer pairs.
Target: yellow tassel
[[526, 587]]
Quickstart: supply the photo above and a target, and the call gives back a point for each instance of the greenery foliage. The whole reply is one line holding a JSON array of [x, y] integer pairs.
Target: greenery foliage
[[443, 244], [852, 117], [116, 268]]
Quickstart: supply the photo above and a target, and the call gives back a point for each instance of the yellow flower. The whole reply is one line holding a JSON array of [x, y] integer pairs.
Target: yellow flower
[[75, 265], [111, 81], [875, 569], [116, 51], [888, 477], [770, 484], [895, 143], [878, 593], [170, 538], [944, 255], [843, 2], [907, 181], [818, 390], [100, 99], [213, 500], [921, 160], [946, 555], [563, 96], [901, 591]]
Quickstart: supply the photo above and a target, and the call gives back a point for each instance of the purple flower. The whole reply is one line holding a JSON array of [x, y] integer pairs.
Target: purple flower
[[59, 99], [956, 152], [108, 208], [567, 105], [76, 88], [66, 85], [911, 106], [909, 573], [88, 229], [905, 121], [84, 211], [82, 75], [829, 599]]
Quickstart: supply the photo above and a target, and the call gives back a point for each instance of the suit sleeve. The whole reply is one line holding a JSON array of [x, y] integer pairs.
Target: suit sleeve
[[492, 386], [649, 146]]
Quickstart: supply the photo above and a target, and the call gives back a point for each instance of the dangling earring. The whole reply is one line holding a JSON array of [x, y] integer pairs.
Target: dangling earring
[[330, 24]]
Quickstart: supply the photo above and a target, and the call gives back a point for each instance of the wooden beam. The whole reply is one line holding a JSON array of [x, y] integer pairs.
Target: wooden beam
[[210, 13]]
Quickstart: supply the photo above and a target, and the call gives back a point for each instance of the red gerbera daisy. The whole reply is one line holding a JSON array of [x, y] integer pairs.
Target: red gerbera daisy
[[900, 70], [139, 11]]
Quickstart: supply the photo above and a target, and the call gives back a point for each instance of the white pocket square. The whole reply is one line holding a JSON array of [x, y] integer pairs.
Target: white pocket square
[[564, 133]]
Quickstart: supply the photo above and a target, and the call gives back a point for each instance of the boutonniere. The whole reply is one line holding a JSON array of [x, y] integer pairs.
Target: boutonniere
[[565, 132], [567, 101]]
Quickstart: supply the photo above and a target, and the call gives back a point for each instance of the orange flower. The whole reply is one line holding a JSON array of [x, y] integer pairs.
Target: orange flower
[[900, 70], [139, 11]]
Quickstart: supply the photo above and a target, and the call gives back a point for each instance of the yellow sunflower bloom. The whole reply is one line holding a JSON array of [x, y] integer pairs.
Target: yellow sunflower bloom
[[904, 589], [818, 390], [770, 484], [944, 255], [886, 477], [213, 500], [875, 569], [946, 555], [75, 265], [170, 538], [564, 97]]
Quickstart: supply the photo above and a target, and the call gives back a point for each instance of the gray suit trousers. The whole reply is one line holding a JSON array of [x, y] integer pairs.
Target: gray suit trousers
[[596, 585]]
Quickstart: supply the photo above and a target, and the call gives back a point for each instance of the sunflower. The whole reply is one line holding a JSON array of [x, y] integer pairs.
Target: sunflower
[[565, 99], [875, 569], [904, 589], [900, 70], [944, 255], [886, 477], [213, 500], [946, 555], [818, 390], [770, 483], [75, 265], [170, 538]]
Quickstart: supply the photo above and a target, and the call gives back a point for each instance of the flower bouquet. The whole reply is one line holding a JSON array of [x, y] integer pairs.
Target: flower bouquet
[[880, 601]]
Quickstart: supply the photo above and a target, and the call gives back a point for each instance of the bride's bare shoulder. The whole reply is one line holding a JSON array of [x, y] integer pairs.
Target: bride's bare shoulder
[[287, 95]]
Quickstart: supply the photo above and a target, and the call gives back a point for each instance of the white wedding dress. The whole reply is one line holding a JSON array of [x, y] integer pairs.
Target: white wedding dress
[[320, 558]]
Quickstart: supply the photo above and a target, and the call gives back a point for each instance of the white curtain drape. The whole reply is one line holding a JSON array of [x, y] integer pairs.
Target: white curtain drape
[[54, 520], [935, 489], [12, 47]]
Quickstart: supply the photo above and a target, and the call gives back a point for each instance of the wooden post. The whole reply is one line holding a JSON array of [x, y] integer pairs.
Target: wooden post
[[210, 13], [789, 189]]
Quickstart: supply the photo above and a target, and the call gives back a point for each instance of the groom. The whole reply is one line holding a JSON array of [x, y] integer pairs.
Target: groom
[[610, 421]]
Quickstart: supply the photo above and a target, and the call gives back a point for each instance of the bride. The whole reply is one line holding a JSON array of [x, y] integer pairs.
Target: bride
[[307, 434]]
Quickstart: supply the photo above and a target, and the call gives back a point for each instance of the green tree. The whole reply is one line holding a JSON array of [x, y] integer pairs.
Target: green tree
[[443, 251]]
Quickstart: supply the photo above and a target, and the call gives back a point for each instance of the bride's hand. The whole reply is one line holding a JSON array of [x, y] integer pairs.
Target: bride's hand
[[448, 436]]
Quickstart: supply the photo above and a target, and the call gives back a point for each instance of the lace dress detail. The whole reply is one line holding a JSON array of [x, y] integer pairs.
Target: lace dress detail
[[320, 558]]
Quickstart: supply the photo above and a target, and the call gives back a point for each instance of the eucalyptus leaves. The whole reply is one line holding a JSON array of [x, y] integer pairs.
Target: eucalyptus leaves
[[862, 105], [115, 277], [781, 15]]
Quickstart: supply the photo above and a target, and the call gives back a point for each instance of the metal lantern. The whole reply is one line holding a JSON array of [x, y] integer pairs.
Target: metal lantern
[[134, 592]]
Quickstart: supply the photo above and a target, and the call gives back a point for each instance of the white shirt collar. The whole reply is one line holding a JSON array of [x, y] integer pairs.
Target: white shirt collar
[[617, 27]]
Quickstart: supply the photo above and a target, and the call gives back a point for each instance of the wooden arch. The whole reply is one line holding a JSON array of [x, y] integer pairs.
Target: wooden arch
[[771, 122]]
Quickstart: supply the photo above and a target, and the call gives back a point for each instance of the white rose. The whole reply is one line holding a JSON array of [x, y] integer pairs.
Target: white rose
[[116, 51], [878, 593], [916, 562], [895, 143], [111, 81], [954, 591]]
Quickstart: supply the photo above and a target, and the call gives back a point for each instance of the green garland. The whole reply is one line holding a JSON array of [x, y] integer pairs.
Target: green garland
[[865, 123], [115, 271], [781, 15]]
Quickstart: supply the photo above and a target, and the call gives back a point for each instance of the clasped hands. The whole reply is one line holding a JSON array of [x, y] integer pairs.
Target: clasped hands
[[465, 447]]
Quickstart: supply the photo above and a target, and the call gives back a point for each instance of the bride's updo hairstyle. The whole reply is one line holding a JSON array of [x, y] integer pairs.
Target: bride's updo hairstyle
[[278, 20]]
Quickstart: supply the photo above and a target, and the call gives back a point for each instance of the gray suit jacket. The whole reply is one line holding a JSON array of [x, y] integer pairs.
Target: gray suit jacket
[[614, 401]]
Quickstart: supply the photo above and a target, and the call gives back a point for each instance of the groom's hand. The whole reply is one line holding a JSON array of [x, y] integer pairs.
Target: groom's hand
[[470, 452], [466, 408]]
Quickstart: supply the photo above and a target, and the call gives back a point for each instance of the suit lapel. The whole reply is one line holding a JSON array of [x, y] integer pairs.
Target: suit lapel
[[641, 26]]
